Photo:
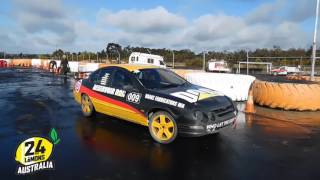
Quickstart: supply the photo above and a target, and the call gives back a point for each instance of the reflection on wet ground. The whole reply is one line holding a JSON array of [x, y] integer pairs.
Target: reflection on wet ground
[[271, 144]]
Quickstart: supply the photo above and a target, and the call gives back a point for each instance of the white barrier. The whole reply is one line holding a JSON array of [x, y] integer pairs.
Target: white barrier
[[36, 62], [58, 62], [235, 86], [88, 67], [74, 66], [45, 63]]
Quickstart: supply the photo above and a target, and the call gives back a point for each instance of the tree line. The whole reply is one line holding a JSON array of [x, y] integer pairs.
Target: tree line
[[113, 51]]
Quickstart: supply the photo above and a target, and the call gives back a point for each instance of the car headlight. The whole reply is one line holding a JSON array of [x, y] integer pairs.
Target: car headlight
[[211, 116], [198, 115]]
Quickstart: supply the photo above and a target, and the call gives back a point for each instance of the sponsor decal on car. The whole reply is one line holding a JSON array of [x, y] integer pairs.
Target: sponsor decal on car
[[216, 126], [164, 100], [109, 90], [104, 79], [33, 154], [194, 95]]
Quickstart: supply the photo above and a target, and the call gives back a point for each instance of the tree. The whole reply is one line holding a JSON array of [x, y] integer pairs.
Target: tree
[[58, 53], [113, 48]]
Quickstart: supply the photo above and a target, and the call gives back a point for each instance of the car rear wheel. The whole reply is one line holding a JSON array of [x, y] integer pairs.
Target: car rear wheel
[[163, 127], [86, 106]]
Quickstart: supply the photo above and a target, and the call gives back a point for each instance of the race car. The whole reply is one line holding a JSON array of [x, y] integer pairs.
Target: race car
[[155, 97]]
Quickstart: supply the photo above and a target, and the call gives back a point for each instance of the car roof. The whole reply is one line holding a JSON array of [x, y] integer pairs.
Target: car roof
[[133, 67]]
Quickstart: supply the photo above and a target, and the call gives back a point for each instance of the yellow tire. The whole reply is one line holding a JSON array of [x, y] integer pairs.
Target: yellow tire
[[163, 127]]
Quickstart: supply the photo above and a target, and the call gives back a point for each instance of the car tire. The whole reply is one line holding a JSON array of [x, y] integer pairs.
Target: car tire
[[163, 127], [86, 106]]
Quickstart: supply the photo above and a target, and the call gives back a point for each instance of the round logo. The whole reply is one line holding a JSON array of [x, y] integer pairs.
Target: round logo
[[77, 86], [34, 150]]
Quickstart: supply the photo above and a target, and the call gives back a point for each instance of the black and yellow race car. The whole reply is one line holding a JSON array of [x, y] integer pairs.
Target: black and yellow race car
[[157, 98]]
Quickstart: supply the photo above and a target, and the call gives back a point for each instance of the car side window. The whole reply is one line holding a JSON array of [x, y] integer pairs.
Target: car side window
[[150, 61], [104, 76], [94, 77], [121, 80]]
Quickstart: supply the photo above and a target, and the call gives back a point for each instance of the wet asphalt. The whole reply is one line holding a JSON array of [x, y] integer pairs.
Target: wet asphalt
[[272, 144]]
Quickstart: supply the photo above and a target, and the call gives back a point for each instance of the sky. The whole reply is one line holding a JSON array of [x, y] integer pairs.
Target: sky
[[42, 26]]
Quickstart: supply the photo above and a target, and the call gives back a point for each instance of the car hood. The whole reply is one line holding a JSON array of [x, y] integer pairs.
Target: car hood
[[195, 94]]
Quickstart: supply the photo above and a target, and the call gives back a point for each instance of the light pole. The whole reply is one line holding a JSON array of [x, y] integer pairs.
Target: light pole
[[314, 46], [172, 59], [204, 61], [97, 56], [247, 62]]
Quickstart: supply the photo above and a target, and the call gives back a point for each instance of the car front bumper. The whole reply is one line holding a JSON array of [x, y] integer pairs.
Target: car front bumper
[[195, 130]]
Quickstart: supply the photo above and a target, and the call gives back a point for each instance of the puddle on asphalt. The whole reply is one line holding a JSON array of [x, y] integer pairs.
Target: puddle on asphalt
[[106, 137], [281, 123]]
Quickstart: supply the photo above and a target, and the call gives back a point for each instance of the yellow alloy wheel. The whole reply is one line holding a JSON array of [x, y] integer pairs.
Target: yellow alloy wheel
[[86, 105], [163, 127]]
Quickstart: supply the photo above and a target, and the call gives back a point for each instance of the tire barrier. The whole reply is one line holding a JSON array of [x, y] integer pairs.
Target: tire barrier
[[297, 77], [304, 78], [53, 66], [3, 64], [6, 62], [22, 62], [36, 63], [235, 86], [287, 96], [45, 64]]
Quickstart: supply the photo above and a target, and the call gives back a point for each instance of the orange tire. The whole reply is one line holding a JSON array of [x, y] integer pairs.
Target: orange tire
[[287, 96]]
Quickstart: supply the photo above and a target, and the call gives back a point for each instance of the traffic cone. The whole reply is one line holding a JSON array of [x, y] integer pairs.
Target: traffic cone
[[249, 119], [250, 104]]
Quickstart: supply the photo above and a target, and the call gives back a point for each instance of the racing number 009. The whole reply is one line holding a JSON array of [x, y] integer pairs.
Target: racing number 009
[[134, 97]]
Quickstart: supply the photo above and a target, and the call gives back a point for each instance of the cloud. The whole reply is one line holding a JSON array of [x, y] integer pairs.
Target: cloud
[[210, 27], [266, 13], [44, 16], [301, 10], [156, 20], [282, 10], [44, 25]]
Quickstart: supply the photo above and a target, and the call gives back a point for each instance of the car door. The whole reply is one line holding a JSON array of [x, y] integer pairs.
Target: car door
[[129, 97], [100, 84]]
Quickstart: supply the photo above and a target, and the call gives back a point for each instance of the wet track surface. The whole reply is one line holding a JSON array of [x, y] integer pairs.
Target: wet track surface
[[271, 144]]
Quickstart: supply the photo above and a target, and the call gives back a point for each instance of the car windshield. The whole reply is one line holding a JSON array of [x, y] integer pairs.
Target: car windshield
[[158, 78]]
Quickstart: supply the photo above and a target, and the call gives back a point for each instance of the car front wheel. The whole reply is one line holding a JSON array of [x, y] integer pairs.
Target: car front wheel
[[163, 127]]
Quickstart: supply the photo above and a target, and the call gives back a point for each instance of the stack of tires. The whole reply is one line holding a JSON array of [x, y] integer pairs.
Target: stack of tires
[[287, 96]]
